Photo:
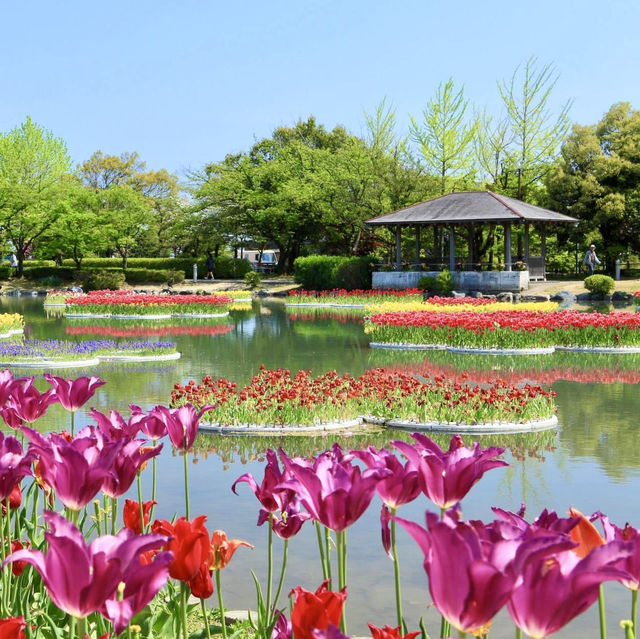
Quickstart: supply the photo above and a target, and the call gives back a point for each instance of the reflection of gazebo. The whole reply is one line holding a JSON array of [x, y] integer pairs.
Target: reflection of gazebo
[[470, 209]]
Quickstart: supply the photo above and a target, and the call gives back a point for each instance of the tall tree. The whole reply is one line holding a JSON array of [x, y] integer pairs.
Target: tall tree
[[445, 137], [598, 181], [537, 135], [34, 178]]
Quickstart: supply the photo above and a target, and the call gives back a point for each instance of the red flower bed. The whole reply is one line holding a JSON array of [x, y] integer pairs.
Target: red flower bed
[[130, 298]]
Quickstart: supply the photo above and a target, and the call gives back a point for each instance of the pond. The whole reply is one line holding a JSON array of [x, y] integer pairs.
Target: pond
[[591, 462]]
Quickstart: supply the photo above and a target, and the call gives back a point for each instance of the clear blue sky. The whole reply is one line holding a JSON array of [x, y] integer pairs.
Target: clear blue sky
[[186, 82]]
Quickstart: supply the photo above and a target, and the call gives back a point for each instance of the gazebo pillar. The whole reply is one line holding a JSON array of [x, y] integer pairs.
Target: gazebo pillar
[[507, 246], [452, 249], [543, 234], [470, 238], [526, 243], [417, 227], [398, 248]]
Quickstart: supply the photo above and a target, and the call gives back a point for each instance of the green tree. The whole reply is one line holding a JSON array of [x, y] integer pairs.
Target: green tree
[[34, 182], [597, 180], [445, 137]]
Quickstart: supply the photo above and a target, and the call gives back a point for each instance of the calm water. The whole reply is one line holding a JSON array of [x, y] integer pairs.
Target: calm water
[[591, 462]]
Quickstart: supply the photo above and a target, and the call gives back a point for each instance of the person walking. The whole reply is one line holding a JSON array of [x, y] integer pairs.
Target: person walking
[[210, 265], [591, 259]]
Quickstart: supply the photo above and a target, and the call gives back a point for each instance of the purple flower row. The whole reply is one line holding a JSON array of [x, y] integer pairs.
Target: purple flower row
[[60, 349]]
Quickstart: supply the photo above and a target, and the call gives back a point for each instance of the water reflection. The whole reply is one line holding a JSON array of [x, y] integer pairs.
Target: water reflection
[[591, 462]]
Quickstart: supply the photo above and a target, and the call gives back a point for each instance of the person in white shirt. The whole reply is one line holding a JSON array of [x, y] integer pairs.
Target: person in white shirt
[[591, 259]]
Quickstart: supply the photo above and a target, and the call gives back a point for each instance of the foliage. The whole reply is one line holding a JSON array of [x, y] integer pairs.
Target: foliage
[[445, 282], [160, 276], [38, 272], [317, 272], [252, 279], [597, 180], [104, 280], [230, 268], [354, 273], [600, 284], [428, 283]]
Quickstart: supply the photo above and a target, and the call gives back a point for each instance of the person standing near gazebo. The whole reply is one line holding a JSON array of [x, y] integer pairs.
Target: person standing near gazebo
[[591, 259]]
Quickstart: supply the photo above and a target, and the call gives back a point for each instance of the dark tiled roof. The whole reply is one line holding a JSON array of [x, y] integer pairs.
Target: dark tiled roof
[[470, 206]]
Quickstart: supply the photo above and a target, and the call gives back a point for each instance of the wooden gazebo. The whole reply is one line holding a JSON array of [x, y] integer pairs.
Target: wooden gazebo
[[472, 208]]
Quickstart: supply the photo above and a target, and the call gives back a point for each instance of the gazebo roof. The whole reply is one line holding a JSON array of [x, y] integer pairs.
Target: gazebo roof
[[469, 207]]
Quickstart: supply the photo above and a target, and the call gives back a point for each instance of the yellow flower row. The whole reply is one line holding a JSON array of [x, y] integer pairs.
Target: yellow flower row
[[386, 307], [10, 321]]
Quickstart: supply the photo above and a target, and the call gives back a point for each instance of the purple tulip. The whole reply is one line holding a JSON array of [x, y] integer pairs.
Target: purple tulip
[[83, 579], [402, 486], [631, 564], [115, 427], [551, 590], [334, 491], [14, 464], [75, 469], [181, 423], [126, 465], [150, 425], [7, 382], [467, 577], [74, 393], [27, 403], [286, 522], [446, 477]]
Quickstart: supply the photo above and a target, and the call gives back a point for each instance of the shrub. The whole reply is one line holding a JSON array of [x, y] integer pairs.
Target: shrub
[[156, 276], [428, 283], [6, 272], [317, 272], [600, 284], [445, 281], [252, 279], [102, 280], [39, 272], [229, 267], [354, 273]]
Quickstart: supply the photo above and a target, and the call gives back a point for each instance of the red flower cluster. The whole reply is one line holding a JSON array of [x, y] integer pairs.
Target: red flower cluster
[[358, 292], [129, 298]]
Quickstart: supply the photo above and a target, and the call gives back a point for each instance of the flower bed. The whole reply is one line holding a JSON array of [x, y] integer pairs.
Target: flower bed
[[11, 324], [275, 397], [357, 297], [459, 305], [130, 304], [506, 329], [33, 353]]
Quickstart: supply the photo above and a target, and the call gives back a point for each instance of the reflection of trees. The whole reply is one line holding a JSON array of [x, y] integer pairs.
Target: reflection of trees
[[600, 421]]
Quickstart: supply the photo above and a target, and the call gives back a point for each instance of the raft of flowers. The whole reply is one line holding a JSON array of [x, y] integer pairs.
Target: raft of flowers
[[276, 398], [84, 560], [354, 298], [507, 330], [11, 324], [44, 353], [129, 304], [459, 305]]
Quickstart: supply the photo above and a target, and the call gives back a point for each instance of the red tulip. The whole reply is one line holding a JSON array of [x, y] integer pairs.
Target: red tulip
[[12, 628], [315, 611], [131, 514], [387, 632], [223, 548], [17, 567]]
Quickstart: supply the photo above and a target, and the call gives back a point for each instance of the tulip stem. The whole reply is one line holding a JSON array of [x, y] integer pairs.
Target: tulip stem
[[73, 422], [518, 633], [269, 563], [142, 525], [341, 538], [285, 552], [634, 610], [183, 608], [114, 514], [72, 628], [320, 546], [327, 543], [603, 621], [186, 482], [153, 482], [205, 616], [396, 569], [223, 621]]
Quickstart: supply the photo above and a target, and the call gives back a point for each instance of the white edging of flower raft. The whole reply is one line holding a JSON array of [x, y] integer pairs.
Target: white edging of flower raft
[[600, 349], [201, 315], [88, 315], [501, 351], [408, 347], [52, 363], [139, 358], [487, 427], [270, 429], [10, 332]]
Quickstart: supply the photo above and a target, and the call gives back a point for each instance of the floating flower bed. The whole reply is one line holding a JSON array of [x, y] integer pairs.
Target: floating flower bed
[[459, 305], [130, 304], [38, 353], [11, 324], [275, 397], [506, 329], [357, 297]]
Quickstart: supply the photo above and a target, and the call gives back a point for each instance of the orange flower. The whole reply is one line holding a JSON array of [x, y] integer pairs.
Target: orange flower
[[387, 632], [585, 534], [222, 549]]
